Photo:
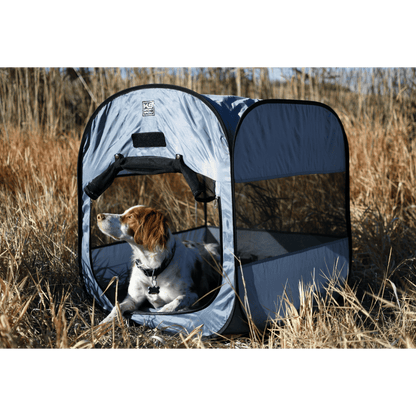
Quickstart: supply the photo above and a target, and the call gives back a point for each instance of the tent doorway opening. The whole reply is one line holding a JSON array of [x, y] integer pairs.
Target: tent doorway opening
[[169, 193]]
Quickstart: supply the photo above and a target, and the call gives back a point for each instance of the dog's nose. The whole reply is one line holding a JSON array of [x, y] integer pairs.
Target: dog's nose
[[100, 217]]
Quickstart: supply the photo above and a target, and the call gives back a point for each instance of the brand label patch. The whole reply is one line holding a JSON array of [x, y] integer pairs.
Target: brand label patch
[[148, 108]]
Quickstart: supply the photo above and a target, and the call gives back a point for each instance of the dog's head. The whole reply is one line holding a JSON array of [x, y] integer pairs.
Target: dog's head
[[139, 225]]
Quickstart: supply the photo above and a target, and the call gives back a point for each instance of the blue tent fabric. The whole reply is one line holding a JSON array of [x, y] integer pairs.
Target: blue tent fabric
[[289, 139], [228, 140], [266, 280]]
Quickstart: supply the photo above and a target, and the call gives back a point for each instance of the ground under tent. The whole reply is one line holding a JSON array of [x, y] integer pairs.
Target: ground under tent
[[267, 180]]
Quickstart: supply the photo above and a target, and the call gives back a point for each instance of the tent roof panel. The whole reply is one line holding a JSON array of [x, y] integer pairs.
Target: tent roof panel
[[231, 109]]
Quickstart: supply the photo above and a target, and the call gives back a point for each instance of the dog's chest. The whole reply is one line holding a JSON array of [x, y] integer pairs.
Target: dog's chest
[[163, 288], [167, 290]]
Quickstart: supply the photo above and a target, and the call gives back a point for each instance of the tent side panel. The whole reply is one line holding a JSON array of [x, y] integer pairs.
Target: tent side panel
[[267, 280], [278, 139]]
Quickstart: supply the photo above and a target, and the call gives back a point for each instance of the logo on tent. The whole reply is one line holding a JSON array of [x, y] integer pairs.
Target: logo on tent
[[148, 108]]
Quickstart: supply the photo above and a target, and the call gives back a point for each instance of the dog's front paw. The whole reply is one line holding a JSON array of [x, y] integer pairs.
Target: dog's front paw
[[167, 308], [109, 318], [174, 305]]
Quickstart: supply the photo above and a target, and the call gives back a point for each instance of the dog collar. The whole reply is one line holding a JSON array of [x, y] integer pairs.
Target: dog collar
[[156, 272]]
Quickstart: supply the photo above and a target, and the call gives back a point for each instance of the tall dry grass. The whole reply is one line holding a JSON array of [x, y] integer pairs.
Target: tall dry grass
[[42, 301]]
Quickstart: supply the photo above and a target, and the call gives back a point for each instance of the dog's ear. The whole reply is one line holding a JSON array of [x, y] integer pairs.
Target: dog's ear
[[152, 229]]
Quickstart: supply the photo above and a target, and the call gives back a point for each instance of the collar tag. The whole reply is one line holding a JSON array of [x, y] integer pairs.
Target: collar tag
[[153, 290]]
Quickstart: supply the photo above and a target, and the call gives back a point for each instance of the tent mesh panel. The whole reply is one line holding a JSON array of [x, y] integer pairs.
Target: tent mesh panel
[[296, 211]]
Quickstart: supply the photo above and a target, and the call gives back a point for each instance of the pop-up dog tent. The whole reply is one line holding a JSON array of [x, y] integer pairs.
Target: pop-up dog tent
[[276, 170]]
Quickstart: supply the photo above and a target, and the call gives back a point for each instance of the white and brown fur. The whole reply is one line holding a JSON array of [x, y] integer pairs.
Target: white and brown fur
[[188, 276]]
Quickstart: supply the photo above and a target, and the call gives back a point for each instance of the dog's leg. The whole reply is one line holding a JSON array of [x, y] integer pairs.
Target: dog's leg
[[181, 302], [172, 306], [129, 304]]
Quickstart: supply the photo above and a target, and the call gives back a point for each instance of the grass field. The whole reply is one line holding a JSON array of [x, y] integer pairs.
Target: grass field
[[42, 302]]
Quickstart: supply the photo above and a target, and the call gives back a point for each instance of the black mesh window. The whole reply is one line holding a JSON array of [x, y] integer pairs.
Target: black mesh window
[[283, 215]]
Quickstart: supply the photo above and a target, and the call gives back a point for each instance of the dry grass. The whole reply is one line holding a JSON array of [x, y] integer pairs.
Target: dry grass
[[42, 301]]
